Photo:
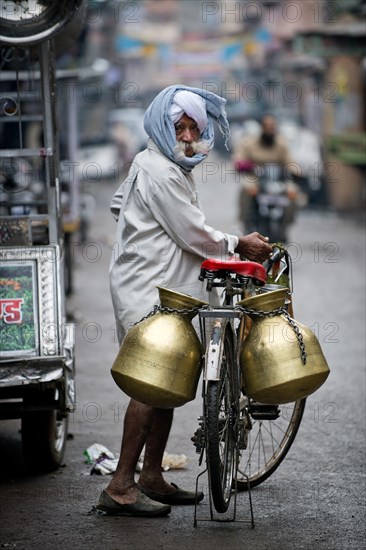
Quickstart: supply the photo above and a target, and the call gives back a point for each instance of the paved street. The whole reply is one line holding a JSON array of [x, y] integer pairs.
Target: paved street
[[316, 497]]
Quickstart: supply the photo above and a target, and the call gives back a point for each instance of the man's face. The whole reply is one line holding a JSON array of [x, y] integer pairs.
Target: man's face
[[268, 131], [269, 126], [187, 131]]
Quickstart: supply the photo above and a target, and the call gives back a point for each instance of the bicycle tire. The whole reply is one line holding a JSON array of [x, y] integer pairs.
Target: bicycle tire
[[266, 450], [221, 428]]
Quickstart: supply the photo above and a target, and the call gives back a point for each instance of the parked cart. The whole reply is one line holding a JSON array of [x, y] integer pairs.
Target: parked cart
[[37, 343]]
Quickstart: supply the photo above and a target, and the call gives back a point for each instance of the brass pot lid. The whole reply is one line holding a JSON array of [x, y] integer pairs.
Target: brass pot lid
[[270, 288], [268, 301], [171, 298]]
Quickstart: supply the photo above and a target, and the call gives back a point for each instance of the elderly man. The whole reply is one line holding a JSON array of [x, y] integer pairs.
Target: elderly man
[[162, 239]]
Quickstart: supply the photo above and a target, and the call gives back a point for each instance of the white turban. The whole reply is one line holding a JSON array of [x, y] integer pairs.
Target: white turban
[[193, 105]]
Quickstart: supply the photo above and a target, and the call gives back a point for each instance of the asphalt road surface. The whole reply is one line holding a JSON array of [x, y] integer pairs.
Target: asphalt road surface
[[316, 499]]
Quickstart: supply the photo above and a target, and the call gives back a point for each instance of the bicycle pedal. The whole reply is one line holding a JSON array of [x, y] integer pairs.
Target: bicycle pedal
[[259, 411]]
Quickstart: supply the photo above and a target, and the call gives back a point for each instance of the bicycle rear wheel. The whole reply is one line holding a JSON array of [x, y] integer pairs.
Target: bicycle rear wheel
[[222, 410], [269, 441]]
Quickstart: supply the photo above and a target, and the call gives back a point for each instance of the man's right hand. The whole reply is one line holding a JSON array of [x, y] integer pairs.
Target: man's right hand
[[254, 247]]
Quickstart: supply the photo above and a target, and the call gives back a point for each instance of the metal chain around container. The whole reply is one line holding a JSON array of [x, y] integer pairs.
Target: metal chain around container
[[164, 309], [252, 312], [281, 311], [299, 336]]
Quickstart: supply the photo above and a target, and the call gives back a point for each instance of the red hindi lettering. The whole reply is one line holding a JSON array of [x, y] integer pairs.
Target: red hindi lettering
[[10, 310]]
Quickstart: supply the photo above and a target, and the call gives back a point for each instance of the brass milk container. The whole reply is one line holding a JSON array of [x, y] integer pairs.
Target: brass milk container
[[159, 362], [272, 369]]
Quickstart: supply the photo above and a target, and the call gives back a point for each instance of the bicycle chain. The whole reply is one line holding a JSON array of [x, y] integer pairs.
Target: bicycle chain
[[259, 313]]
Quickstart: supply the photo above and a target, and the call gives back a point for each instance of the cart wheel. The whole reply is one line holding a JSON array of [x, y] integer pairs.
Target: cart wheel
[[44, 435]]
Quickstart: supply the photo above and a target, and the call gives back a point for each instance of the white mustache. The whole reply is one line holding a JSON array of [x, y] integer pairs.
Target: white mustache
[[197, 146]]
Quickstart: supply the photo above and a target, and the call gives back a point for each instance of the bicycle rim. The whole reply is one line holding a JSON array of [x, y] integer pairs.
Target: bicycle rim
[[221, 430], [268, 443]]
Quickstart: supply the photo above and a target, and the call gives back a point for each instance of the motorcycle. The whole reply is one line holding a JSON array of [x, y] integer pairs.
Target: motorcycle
[[269, 207]]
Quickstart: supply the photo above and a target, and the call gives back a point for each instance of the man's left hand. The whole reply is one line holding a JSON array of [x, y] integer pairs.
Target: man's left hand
[[254, 246]]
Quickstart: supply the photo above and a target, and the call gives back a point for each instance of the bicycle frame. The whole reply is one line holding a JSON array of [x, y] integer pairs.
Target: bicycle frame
[[214, 351], [226, 321]]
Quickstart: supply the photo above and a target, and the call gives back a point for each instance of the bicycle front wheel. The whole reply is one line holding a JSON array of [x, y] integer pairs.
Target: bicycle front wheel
[[269, 441], [222, 408]]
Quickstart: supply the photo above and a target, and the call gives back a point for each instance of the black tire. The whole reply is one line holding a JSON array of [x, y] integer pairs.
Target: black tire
[[268, 443], [44, 435], [222, 410]]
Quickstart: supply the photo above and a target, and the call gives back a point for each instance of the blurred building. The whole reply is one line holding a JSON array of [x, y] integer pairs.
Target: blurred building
[[172, 41], [331, 53], [309, 59]]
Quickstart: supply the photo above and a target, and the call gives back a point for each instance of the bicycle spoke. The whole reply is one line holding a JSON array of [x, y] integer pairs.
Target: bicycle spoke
[[268, 444]]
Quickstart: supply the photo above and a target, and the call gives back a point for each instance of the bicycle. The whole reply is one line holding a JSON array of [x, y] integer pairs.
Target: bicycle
[[232, 422]]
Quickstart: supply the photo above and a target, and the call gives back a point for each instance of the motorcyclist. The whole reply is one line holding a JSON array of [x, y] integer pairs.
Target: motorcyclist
[[250, 155]]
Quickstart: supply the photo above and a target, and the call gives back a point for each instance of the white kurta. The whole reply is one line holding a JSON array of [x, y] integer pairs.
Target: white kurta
[[162, 237]]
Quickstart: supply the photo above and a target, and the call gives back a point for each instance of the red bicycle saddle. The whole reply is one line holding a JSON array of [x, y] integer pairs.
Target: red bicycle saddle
[[246, 269]]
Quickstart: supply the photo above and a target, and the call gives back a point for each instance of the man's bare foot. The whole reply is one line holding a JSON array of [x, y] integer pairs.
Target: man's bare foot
[[156, 484], [122, 495]]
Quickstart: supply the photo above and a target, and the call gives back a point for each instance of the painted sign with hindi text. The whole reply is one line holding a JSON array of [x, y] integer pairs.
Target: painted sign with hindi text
[[18, 308]]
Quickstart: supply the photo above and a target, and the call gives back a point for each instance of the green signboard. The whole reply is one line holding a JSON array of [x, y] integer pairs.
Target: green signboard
[[349, 148], [18, 308]]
